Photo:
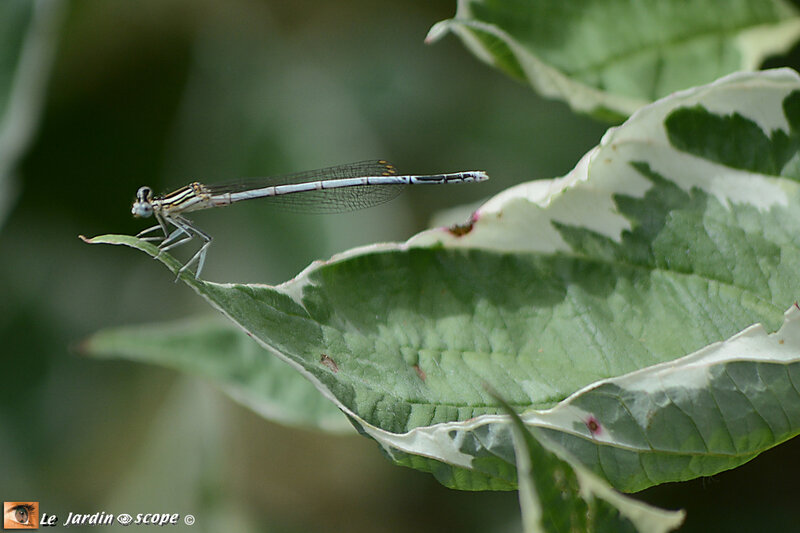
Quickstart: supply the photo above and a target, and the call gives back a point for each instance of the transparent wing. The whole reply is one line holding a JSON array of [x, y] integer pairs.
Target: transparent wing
[[328, 200]]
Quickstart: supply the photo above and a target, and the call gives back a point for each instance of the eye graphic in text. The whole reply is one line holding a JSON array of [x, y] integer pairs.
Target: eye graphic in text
[[20, 515]]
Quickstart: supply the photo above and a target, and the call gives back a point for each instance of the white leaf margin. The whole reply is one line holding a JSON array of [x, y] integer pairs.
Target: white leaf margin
[[756, 96], [545, 79], [645, 518], [754, 44], [520, 220], [442, 441]]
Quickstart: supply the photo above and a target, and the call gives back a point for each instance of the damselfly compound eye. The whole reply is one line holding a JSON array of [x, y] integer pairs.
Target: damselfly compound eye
[[144, 194], [142, 210]]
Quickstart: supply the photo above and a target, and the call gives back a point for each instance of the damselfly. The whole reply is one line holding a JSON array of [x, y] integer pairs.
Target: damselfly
[[328, 190]]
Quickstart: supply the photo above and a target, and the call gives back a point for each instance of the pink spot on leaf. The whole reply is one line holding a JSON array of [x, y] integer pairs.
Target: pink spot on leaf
[[593, 425]]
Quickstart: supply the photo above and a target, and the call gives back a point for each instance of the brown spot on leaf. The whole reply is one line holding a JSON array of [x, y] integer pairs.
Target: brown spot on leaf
[[420, 373], [459, 230], [330, 363]]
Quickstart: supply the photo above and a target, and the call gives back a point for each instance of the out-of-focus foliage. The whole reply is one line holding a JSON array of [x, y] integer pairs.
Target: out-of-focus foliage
[[28, 37]]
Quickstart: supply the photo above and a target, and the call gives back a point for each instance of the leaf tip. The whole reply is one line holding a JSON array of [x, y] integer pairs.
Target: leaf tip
[[109, 239], [82, 348], [437, 31]]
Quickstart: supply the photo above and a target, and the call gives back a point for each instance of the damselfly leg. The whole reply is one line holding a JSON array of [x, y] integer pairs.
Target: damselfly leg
[[184, 232], [191, 231], [150, 230]]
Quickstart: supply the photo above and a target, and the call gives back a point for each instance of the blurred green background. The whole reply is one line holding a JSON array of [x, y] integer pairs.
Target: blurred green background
[[161, 92]]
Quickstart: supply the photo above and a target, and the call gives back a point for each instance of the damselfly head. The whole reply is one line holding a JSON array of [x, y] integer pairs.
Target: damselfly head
[[143, 206]]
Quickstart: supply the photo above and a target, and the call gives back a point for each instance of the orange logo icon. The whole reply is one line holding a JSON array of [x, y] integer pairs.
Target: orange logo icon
[[20, 515]]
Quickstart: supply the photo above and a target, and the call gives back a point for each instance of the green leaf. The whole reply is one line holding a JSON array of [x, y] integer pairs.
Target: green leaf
[[608, 58], [28, 35], [557, 493], [215, 349], [635, 310]]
